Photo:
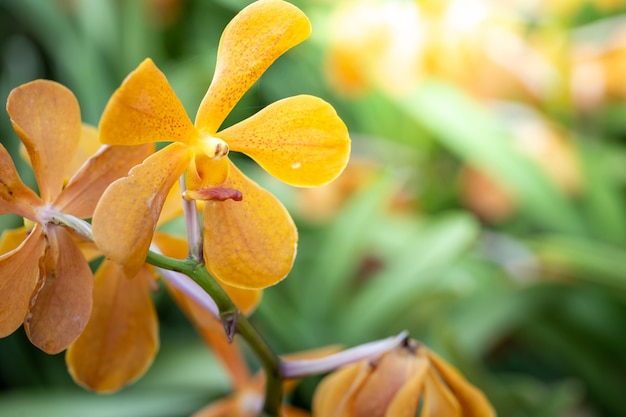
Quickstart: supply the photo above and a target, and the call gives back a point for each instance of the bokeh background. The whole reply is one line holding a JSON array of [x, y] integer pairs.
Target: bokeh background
[[484, 208]]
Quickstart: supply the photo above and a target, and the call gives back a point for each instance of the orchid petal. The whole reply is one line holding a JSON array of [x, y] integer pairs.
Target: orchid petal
[[334, 396], [121, 339], [88, 145], [172, 207], [15, 197], [251, 42], [46, 116], [249, 243], [60, 308], [387, 377], [299, 140], [472, 400], [19, 272], [406, 401], [127, 214], [145, 109], [440, 400], [82, 193], [11, 239]]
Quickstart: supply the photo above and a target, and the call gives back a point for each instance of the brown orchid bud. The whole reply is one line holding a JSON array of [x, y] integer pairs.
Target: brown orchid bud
[[405, 380]]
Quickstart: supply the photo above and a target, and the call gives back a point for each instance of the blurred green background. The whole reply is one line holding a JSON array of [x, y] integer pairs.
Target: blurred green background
[[484, 209]]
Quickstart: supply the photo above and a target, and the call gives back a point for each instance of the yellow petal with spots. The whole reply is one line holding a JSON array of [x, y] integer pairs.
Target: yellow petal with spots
[[249, 243], [46, 116], [145, 109], [299, 140], [127, 214], [121, 339], [251, 42]]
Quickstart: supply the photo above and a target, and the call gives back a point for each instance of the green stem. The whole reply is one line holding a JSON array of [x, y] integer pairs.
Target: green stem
[[271, 364], [233, 321]]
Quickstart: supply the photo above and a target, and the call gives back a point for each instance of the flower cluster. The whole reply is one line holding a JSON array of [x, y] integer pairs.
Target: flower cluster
[[107, 323]]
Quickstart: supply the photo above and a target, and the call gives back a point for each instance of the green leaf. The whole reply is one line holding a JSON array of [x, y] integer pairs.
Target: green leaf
[[337, 258], [603, 199], [583, 259], [414, 270]]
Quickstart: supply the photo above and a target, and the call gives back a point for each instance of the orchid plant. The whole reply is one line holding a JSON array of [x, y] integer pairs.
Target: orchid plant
[[110, 204]]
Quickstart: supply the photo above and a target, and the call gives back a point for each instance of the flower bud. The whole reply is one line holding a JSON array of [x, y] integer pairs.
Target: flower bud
[[399, 383]]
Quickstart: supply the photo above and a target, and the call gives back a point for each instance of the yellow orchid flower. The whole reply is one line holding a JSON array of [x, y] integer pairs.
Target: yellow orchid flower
[[45, 281], [113, 351], [300, 140], [407, 381]]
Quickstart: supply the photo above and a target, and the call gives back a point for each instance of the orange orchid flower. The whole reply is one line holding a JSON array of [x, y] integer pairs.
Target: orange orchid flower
[[300, 140], [113, 351], [407, 381], [46, 282]]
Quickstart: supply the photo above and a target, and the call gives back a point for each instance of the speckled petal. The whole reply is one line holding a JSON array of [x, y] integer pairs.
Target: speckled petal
[[251, 42], [121, 339], [46, 117], [61, 306], [249, 243], [299, 140], [126, 216], [145, 109]]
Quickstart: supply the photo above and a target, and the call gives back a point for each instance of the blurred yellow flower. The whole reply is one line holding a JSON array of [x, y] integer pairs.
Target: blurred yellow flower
[[393, 45], [113, 350], [300, 140], [545, 143]]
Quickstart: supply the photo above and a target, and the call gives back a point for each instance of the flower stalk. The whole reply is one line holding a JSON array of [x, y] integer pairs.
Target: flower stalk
[[233, 323]]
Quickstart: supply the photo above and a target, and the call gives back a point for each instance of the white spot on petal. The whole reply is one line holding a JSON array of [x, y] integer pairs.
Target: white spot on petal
[[296, 165]]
